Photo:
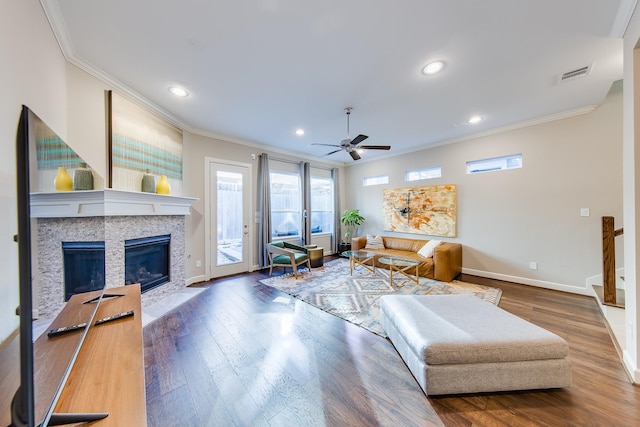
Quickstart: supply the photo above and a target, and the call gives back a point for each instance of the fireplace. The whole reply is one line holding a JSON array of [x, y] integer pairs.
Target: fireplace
[[84, 267], [110, 216], [146, 261]]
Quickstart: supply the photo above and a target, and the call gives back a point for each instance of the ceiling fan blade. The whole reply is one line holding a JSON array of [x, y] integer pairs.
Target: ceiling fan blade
[[327, 145], [354, 155], [375, 147], [333, 152], [358, 139]]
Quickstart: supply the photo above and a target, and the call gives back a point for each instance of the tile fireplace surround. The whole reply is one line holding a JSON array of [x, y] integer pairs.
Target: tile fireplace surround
[[112, 216]]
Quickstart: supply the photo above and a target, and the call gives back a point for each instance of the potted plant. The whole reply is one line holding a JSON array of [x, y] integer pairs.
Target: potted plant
[[351, 219]]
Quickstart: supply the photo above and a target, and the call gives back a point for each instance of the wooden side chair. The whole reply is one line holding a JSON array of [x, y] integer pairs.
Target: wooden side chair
[[285, 254]]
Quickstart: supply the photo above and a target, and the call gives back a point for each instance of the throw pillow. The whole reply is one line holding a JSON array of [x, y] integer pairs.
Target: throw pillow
[[374, 242], [428, 248]]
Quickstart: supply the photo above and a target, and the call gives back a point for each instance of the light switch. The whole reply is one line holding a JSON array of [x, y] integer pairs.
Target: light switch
[[584, 212]]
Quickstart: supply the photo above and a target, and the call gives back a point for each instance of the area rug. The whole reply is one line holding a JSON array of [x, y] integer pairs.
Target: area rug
[[356, 298]]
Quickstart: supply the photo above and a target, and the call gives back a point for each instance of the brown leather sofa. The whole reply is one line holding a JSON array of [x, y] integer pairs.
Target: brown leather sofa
[[445, 265]]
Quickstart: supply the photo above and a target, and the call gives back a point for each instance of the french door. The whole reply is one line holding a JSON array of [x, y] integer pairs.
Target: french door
[[229, 217]]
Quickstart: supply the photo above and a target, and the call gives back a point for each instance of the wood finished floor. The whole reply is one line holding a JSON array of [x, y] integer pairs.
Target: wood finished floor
[[233, 357]]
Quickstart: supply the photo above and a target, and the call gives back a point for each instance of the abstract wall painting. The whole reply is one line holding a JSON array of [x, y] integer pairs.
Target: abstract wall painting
[[141, 143], [421, 210]]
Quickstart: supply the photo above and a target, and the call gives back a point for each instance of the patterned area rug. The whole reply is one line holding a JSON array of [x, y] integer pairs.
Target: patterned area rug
[[356, 298]]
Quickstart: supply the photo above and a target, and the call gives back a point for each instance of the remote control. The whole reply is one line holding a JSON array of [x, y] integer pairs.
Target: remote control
[[66, 329], [114, 317]]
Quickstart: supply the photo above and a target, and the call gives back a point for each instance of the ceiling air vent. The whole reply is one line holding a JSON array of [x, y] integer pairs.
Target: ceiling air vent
[[572, 75]]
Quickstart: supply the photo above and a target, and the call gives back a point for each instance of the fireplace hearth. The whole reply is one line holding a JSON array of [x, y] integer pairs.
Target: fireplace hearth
[[146, 261]]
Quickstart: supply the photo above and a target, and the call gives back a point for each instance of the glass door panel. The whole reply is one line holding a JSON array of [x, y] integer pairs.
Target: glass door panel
[[229, 218], [230, 207]]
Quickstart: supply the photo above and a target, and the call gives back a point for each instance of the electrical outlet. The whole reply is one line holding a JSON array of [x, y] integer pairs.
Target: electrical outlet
[[533, 265], [198, 263]]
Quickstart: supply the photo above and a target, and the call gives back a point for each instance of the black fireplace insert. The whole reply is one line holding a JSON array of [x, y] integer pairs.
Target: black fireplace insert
[[147, 261], [84, 267]]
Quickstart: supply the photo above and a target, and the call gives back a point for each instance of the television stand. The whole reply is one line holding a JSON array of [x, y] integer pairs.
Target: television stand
[[107, 377]]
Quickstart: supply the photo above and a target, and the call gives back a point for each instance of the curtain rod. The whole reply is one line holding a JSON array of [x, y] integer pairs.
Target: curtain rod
[[293, 162]]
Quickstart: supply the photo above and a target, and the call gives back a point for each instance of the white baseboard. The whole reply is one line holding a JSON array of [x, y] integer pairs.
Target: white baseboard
[[195, 279], [527, 281], [631, 367]]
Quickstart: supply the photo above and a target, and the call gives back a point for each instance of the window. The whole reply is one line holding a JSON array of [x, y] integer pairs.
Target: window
[[513, 161], [286, 201], [375, 180], [321, 205], [426, 173]]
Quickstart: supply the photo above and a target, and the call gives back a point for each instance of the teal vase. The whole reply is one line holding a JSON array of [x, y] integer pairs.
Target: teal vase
[[83, 178], [148, 183]]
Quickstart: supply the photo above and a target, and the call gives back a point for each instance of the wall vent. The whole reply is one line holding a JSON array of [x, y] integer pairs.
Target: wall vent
[[574, 74]]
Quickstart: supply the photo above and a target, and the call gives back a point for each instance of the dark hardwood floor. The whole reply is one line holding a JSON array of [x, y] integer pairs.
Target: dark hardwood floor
[[244, 354]]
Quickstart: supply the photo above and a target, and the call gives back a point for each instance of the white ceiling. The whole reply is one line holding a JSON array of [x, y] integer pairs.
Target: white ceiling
[[257, 70]]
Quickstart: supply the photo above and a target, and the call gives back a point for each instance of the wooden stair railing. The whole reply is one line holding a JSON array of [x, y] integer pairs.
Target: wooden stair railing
[[609, 234]]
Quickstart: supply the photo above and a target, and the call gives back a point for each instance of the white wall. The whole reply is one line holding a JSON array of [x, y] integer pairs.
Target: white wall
[[33, 71], [631, 166], [507, 219], [87, 121]]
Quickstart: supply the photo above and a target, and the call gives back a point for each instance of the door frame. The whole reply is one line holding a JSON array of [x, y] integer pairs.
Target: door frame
[[208, 212]]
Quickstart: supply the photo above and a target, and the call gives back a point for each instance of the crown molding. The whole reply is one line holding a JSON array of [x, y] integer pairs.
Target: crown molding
[[620, 24]]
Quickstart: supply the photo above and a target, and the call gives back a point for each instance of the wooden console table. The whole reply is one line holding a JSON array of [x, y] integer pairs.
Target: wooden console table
[[108, 375]]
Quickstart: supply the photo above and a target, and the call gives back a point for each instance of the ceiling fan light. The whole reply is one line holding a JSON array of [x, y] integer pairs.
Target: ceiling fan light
[[432, 68]]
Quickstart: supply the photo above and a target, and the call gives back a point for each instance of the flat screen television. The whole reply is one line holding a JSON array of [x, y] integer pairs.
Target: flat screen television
[[34, 402]]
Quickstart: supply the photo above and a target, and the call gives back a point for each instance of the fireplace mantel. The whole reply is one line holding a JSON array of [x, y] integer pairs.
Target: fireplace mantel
[[107, 202]]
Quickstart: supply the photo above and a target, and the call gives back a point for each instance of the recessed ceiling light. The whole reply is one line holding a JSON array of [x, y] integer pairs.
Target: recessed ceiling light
[[299, 132], [475, 119], [178, 91], [432, 68]]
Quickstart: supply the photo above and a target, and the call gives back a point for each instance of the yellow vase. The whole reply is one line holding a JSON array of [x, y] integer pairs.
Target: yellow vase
[[163, 187], [63, 181]]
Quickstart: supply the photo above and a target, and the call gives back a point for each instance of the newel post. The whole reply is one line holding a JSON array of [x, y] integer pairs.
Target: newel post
[[608, 260]]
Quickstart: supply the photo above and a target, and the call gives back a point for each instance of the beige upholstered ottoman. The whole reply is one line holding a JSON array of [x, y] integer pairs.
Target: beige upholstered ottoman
[[462, 344]]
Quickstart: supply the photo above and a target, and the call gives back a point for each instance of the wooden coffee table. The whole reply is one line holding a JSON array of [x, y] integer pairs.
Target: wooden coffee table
[[401, 265], [360, 258]]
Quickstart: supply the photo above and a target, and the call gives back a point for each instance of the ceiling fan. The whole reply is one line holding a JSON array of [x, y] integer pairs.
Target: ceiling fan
[[352, 146]]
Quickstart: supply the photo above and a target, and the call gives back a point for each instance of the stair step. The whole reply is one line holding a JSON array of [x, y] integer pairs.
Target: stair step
[[620, 296]]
